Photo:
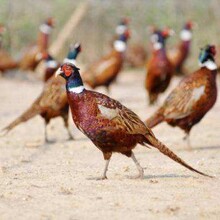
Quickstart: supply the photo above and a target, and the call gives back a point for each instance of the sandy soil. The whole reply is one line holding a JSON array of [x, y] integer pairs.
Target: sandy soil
[[53, 181]]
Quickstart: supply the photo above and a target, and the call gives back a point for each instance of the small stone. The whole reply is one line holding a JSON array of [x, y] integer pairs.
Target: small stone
[[66, 191], [153, 181]]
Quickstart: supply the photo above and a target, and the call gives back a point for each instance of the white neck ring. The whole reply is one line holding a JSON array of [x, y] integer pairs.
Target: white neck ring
[[77, 89]]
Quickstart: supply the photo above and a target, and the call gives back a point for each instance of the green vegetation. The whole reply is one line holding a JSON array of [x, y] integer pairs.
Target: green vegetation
[[95, 32]]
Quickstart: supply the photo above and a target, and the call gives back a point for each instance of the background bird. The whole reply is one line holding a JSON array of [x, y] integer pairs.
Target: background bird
[[159, 69], [180, 53], [6, 60], [109, 125], [51, 65], [196, 94], [136, 54], [51, 103], [105, 71], [34, 54]]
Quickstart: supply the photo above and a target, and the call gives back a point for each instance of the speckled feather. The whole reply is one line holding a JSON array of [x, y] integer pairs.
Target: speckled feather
[[50, 104], [188, 104], [105, 71], [110, 126]]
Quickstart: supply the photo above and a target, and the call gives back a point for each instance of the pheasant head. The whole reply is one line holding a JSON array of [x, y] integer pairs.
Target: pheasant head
[[206, 57], [158, 37]]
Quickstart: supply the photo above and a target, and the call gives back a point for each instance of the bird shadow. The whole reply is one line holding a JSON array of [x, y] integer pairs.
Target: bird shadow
[[207, 148], [166, 176], [81, 139]]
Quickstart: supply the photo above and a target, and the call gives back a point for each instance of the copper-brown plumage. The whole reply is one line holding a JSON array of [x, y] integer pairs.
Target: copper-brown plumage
[[180, 53], [50, 104], [159, 68], [136, 55], [6, 60], [105, 71], [108, 124], [192, 98], [51, 65], [34, 53]]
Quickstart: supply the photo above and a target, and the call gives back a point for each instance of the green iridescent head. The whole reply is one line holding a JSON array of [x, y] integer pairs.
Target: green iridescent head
[[207, 53]]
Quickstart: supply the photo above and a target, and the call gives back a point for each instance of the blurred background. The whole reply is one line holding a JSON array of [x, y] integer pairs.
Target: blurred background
[[22, 19]]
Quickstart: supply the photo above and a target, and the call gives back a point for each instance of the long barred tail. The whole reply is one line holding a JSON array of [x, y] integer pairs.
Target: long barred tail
[[28, 114], [166, 151], [154, 120]]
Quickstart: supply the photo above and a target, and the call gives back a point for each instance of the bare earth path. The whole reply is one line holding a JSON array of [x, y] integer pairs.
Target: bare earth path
[[39, 181]]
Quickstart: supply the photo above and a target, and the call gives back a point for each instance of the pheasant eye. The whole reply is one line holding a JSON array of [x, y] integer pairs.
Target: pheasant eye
[[67, 70]]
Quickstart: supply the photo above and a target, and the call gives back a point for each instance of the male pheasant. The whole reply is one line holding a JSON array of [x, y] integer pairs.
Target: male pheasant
[[51, 103], [136, 54], [105, 71], [122, 27], [159, 69], [6, 61], [179, 55], [107, 123], [34, 54], [196, 94], [52, 65]]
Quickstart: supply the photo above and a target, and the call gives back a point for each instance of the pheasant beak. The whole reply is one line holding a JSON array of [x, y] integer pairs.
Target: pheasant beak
[[58, 72]]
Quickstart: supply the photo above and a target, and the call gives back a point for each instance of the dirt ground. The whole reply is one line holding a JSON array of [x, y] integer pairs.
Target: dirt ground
[[53, 181]]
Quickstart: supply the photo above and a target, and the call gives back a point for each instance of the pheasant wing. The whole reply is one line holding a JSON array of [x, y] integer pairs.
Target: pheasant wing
[[118, 115], [183, 100]]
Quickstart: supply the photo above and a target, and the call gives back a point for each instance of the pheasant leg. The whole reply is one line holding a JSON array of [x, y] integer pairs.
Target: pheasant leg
[[140, 169]]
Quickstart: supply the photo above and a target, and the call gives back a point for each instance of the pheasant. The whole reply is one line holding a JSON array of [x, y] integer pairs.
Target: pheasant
[[196, 94], [51, 103], [105, 71], [179, 55], [33, 54], [136, 54], [6, 61], [52, 65], [159, 68], [74, 50], [122, 27], [107, 123]]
